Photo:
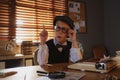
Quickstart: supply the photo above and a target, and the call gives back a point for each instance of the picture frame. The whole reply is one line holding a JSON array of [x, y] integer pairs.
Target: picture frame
[[77, 12]]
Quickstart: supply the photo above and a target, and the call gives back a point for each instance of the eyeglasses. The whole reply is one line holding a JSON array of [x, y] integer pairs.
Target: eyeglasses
[[64, 30]]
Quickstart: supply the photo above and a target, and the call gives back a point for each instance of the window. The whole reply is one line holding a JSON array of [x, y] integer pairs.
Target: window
[[4, 19], [24, 19]]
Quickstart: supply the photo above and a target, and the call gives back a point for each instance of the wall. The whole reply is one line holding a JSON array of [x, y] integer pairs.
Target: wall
[[112, 25], [103, 18], [95, 21]]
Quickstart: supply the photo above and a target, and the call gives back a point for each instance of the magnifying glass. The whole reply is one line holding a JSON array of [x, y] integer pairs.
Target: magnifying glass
[[53, 75]]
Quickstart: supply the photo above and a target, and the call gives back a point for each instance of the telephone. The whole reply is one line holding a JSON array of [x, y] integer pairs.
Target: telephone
[[8, 47]]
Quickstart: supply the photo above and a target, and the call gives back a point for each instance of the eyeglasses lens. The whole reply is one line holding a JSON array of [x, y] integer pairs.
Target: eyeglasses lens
[[64, 30]]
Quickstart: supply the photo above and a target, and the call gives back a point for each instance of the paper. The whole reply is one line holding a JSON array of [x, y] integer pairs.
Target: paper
[[74, 75], [82, 23], [74, 7]]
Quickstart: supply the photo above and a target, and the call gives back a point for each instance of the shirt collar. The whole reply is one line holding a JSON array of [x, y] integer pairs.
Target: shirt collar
[[56, 42]]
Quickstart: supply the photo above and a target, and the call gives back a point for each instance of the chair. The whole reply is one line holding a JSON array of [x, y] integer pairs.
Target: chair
[[35, 57], [99, 52]]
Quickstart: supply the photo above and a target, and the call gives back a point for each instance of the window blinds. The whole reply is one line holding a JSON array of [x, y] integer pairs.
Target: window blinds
[[24, 19], [4, 19], [32, 15]]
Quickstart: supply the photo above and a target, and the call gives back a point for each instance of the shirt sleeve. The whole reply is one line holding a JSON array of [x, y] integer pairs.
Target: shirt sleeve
[[75, 54], [42, 56]]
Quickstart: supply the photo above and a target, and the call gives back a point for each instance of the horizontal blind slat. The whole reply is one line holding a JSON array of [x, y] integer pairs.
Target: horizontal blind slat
[[4, 19]]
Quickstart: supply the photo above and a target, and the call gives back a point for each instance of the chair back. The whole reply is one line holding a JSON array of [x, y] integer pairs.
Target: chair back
[[35, 57], [99, 52]]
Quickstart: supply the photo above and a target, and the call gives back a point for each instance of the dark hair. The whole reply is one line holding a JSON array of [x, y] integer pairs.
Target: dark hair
[[65, 19]]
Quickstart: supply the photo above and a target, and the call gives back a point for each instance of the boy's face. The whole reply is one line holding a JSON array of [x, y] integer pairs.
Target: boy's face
[[61, 31]]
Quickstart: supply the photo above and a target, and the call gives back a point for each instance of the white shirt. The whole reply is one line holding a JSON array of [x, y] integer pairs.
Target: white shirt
[[42, 57]]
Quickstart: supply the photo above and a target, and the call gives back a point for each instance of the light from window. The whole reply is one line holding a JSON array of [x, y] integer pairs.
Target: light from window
[[19, 22]]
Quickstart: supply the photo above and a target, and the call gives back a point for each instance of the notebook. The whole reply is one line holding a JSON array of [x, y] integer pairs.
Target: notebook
[[86, 66]]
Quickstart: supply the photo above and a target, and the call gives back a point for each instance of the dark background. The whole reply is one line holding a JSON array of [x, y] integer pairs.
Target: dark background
[[103, 25]]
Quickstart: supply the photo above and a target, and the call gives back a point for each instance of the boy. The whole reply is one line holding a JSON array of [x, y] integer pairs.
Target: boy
[[59, 49]]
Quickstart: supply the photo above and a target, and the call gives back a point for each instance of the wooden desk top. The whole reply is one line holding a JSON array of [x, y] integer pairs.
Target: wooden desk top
[[30, 72]]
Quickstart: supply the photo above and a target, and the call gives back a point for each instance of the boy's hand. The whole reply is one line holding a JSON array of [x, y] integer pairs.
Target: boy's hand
[[72, 35], [43, 36]]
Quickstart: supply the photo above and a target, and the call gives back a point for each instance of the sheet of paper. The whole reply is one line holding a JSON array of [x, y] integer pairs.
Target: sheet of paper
[[82, 23], [74, 7]]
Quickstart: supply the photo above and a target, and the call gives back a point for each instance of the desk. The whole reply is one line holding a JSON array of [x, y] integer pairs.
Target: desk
[[15, 61], [30, 72]]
